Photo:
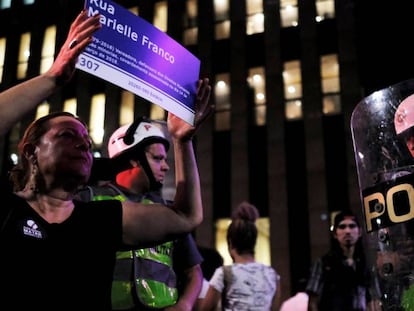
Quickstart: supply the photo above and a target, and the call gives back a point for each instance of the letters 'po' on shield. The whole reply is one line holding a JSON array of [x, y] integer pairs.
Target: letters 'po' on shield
[[382, 126]]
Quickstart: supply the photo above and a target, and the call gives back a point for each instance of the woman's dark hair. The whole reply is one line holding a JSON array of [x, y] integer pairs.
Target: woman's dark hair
[[20, 173], [242, 232]]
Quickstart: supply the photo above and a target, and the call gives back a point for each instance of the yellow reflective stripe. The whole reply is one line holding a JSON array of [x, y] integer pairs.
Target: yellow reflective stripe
[[160, 253], [124, 255], [109, 197], [156, 294], [121, 295]]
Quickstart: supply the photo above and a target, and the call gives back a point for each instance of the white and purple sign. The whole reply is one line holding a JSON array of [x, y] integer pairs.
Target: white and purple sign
[[133, 54]]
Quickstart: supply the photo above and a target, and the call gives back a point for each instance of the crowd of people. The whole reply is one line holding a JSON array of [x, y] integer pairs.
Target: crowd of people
[[117, 244], [61, 252], [167, 276]]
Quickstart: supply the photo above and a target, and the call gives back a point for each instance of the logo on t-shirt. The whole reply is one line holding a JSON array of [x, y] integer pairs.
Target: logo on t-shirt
[[31, 229]]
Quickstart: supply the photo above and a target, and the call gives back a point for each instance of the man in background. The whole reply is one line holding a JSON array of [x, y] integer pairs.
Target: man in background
[[338, 280]]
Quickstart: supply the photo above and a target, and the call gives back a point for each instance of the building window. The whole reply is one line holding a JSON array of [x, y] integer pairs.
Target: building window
[[42, 110], [222, 19], [190, 23], [156, 112], [255, 17], [97, 118], [330, 84], [257, 81], [126, 113], [5, 4], [222, 99], [134, 10], [24, 53], [28, 2], [70, 105], [13, 142], [2, 56], [48, 49], [292, 80], [289, 13], [325, 9], [161, 15]]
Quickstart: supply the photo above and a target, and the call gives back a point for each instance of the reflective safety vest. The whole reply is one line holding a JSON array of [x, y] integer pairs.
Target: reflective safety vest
[[155, 283]]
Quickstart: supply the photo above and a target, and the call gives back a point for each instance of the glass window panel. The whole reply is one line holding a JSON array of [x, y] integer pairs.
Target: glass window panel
[[28, 2], [13, 142], [97, 118], [255, 17], [2, 56], [222, 100], [24, 53], [222, 19], [42, 110], [260, 114], [222, 30], [255, 24], [293, 110], [70, 105], [190, 36], [330, 84], [48, 49], [256, 80], [126, 113], [289, 13], [5, 4], [330, 73], [156, 112], [161, 15], [221, 10], [191, 9], [332, 104], [292, 80], [222, 120], [254, 6], [134, 10], [222, 91], [325, 9]]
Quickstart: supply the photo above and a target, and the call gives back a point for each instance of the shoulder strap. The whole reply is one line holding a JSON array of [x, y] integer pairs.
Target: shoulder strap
[[227, 278], [227, 275]]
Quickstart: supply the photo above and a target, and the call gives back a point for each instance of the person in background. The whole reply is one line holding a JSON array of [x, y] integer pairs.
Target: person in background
[[59, 253], [146, 279], [339, 280], [246, 284]]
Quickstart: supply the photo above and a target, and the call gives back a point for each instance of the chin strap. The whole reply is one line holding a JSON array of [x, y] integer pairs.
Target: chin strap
[[154, 185]]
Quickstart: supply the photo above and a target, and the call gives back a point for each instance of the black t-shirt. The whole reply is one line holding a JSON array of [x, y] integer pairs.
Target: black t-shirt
[[66, 266]]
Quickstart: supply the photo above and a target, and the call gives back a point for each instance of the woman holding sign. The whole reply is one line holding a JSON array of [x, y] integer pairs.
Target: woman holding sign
[[59, 253]]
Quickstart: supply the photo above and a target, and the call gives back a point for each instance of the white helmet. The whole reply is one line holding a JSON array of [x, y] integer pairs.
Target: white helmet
[[140, 133], [404, 115]]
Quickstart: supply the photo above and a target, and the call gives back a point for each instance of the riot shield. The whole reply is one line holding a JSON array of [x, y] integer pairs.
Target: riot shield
[[381, 126]]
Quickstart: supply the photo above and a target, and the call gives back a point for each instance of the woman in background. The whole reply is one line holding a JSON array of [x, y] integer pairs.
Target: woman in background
[[246, 284]]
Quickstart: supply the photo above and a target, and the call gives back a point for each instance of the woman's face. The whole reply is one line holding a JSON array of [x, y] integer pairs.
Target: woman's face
[[64, 152]]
